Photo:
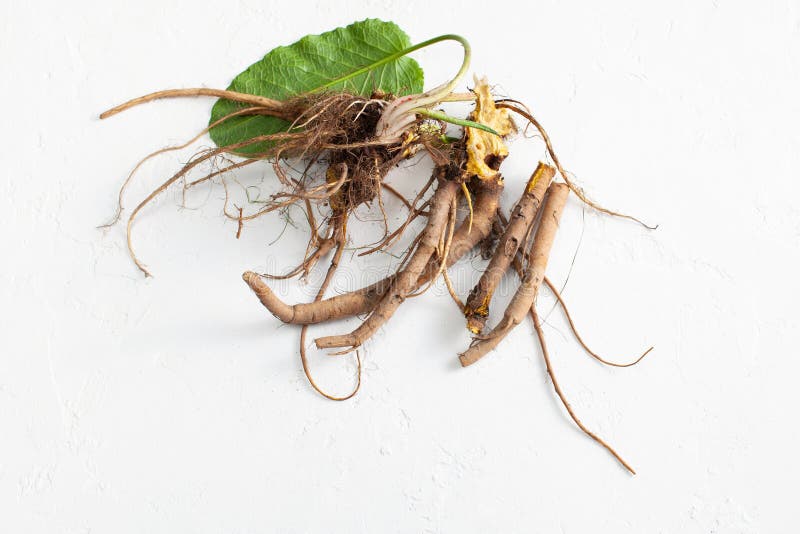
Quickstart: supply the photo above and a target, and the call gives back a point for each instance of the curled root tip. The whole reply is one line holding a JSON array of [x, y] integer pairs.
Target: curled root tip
[[331, 269], [141, 267], [276, 307], [645, 353], [621, 365], [310, 378], [634, 362], [145, 272], [254, 282]]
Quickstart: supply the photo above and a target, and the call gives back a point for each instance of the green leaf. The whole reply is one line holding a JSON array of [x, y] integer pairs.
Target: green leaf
[[319, 62]]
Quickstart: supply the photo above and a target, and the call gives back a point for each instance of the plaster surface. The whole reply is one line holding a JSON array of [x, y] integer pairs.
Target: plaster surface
[[177, 404]]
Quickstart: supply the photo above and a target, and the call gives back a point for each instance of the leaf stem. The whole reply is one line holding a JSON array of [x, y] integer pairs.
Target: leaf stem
[[459, 97], [400, 113], [397, 55], [453, 120]]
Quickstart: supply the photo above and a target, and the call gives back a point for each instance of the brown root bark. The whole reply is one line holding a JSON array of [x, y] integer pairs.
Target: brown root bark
[[525, 296], [485, 202], [345, 305], [407, 279], [520, 223], [486, 198]]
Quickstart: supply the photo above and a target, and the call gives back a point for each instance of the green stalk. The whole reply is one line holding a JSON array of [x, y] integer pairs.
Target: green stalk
[[453, 120], [397, 55]]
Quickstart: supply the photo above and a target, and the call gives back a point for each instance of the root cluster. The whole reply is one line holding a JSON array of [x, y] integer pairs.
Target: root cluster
[[341, 134]]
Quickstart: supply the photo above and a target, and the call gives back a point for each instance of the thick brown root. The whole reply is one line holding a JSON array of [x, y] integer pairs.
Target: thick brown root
[[442, 251], [486, 198], [485, 202], [521, 221], [407, 279], [525, 296], [345, 305]]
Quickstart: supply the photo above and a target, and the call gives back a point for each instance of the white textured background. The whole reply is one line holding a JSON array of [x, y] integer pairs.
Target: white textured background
[[177, 404]]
